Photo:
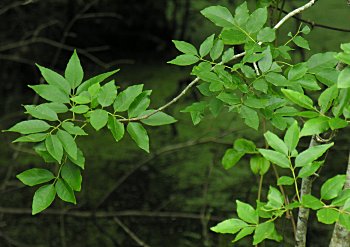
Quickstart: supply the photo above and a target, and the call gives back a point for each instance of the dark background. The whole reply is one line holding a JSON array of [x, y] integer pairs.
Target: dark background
[[169, 197]]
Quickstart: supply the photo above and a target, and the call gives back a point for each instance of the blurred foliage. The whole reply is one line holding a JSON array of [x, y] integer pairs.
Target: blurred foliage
[[185, 189]]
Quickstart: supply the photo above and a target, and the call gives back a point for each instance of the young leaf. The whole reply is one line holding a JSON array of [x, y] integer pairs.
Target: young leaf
[[275, 157], [285, 180], [315, 126], [327, 216], [301, 42], [54, 147], [231, 157], [42, 112], [74, 72], [206, 46], [245, 146], [97, 79], [157, 119], [64, 191], [68, 143], [126, 97], [98, 119], [55, 79], [185, 47], [298, 98], [312, 202], [311, 154], [51, 93], [275, 198], [276, 143], [230, 226], [244, 232], [263, 231], [332, 187], [35, 176], [291, 137], [71, 174], [344, 78], [139, 135], [107, 94], [247, 213], [30, 126], [43, 198], [259, 165], [219, 15], [184, 60], [116, 128], [80, 109]]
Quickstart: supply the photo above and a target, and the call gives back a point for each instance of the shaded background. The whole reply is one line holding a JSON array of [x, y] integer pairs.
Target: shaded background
[[169, 197]]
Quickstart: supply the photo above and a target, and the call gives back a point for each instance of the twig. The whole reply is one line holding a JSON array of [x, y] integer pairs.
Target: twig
[[130, 233], [278, 25]]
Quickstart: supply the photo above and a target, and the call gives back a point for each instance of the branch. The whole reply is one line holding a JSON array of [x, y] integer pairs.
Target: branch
[[341, 236], [130, 233], [278, 25]]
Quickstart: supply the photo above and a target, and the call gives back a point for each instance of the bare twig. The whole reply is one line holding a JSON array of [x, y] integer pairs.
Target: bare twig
[[130, 233]]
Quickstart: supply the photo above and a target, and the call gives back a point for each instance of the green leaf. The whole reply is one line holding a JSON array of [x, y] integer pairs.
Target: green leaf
[[263, 231], [96, 79], [57, 107], [219, 15], [157, 119], [54, 147], [276, 143], [80, 160], [327, 215], [297, 71], [42, 112], [266, 62], [247, 213], [116, 128], [344, 78], [64, 191], [107, 94], [233, 36], [41, 150], [343, 57], [139, 105], [315, 126], [68, 143], [228, 55], [261, 85], [43, 198], [74, 72], [196, 110], [337, 123], [80, 109], [259, 165], [83, 98], [38, 137], [35, 176], [230, 226], [257, 20], [298, 98], [275, 198], [245, 146], [345, 47], [55, 79], [285, 180], [98, 119], [267, 34], [184, 60], [243, 233], [71, 174], [250, 116], [312, 202], [185, 47], [321, 61], [276, 79], [344, 220], [327, 97], [139, 135], [126, 97], [332, 187], [30, 126], [301, 42], [276, 158], [217, 49], [206, 46], [310, 169], [343, 197], [73, 130], [311, 154], [291, 138], [229, 98], [231, 157], [51, 93]]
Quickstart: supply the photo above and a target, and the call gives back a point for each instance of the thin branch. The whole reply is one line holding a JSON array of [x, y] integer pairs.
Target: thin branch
[[278, 25], [130, 233]]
